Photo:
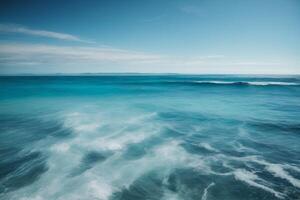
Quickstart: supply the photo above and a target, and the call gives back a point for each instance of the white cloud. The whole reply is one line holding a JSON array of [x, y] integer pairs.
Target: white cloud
[[16, 57], [42, 33], [37, 53]]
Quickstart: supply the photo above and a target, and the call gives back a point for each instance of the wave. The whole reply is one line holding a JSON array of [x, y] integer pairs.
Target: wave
[[256, 83]]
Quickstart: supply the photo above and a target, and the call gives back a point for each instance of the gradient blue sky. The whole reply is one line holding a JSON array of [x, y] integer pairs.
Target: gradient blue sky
[[178, 36]]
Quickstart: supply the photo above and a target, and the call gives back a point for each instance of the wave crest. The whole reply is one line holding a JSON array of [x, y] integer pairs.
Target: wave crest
[[256, 83]]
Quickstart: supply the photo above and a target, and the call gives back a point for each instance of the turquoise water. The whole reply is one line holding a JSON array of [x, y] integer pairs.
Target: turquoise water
[[150, 137]]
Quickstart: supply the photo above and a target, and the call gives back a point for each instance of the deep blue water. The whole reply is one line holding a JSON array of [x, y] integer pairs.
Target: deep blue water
[[150, 137]]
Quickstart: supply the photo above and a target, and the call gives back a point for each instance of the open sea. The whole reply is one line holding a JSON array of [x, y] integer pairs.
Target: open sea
[[152, 137]]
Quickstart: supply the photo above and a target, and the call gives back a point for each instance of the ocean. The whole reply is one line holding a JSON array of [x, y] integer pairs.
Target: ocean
[[131, 136]]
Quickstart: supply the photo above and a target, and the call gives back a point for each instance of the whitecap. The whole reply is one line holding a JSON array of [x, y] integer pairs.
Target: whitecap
[[216, 82], [257, 83], [271, 83]]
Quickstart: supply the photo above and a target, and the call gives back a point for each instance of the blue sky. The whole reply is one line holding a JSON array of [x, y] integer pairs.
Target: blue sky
[[177, 36]]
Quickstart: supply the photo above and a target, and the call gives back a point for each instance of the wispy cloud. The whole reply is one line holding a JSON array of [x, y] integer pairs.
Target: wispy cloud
[[39, 54], [12, 28], [22, 56]]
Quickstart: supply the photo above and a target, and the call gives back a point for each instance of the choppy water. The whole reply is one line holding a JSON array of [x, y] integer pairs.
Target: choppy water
[[150, 137]]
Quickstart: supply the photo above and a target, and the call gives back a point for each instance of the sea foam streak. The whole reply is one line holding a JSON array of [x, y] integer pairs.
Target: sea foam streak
[[278, 171], [204, 196], [251, 178]]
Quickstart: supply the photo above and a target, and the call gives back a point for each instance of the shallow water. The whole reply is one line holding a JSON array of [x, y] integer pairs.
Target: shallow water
[[150, 137]]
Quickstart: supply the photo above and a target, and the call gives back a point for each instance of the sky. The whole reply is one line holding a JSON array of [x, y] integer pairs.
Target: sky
[[150, 36]]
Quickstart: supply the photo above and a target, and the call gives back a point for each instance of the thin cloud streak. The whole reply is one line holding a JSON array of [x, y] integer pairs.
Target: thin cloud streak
[[23, 55], [5, 28], [38, 53]]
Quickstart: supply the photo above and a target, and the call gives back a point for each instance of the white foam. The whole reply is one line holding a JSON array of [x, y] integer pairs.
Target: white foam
[[82, 122], [272, 83], [87, 127], [61, 147], [116, 172], [278, 171], [142, 117], [251, 178], [169, 195], [171, 152], [208, 146], [291, 167], [216, 82], [99, 190], [32, 198], [122, 132], [74, 114], [241, 148], [204, 196], [120, 140], [258, 83]]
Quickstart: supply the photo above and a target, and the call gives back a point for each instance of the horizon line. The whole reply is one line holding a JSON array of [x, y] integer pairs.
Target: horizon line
[[139, 73]]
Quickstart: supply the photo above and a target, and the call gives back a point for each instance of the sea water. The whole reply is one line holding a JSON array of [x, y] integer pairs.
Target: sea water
[[149, 137]]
